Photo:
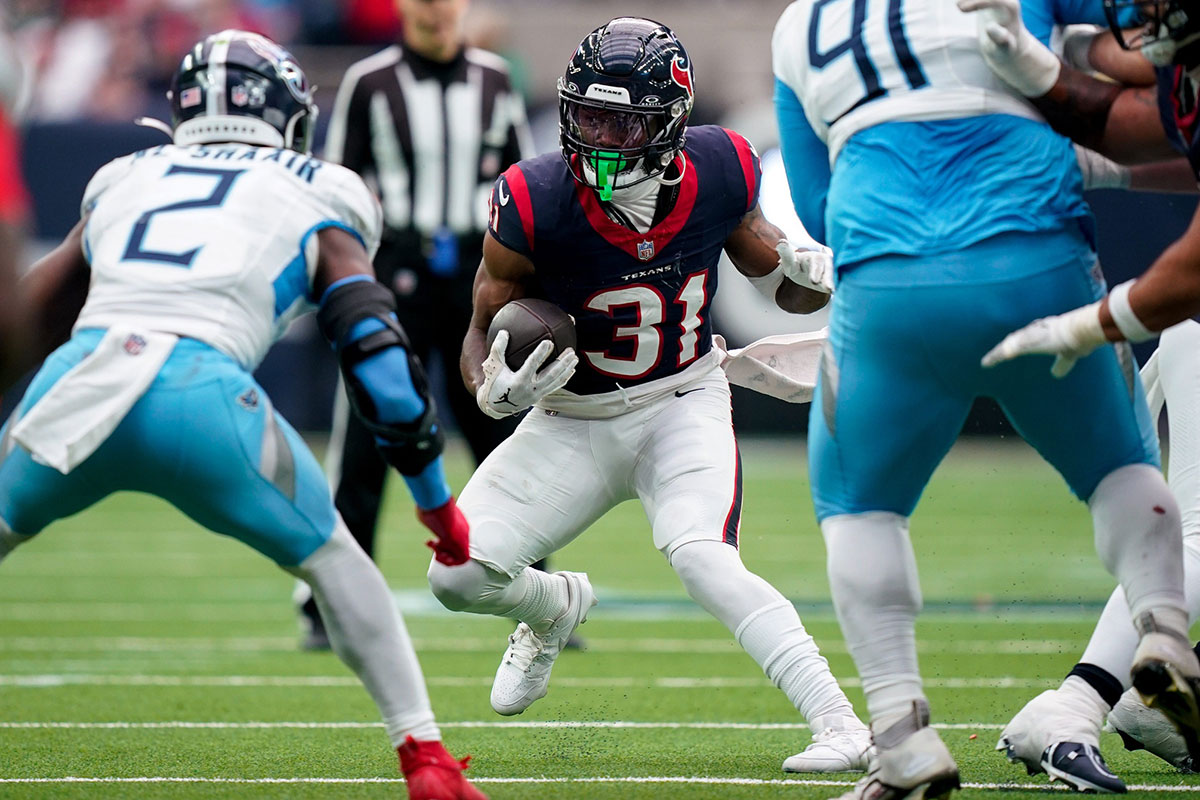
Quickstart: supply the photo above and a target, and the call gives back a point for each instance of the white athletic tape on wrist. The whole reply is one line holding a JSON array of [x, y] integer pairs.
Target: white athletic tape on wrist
[[1127, 322], [768, 284]]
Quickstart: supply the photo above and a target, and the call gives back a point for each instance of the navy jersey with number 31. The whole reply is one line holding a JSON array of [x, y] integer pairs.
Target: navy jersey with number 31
[[640, 301]]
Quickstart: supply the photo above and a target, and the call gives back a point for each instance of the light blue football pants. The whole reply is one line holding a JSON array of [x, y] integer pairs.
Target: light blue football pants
[[901, 372], [204, 437]]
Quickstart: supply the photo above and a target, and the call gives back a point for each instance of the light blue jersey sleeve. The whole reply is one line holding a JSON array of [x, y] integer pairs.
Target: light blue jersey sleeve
[[805, 160], [1042, 16]]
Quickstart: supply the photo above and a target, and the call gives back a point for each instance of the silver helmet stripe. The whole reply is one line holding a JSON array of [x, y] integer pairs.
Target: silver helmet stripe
[[217, 91]]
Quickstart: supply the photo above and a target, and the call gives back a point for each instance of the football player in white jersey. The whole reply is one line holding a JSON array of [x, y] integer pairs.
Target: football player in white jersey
[[198, 254], [1151, 119], [955, 215]]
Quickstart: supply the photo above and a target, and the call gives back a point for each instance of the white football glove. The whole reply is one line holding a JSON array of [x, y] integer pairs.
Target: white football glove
[[1069, 336], [504, 392], [1010, 50], [810, 268]]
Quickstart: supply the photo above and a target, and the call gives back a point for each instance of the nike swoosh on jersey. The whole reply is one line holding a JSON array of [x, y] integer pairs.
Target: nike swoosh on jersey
[[689, 391], [503, 197]]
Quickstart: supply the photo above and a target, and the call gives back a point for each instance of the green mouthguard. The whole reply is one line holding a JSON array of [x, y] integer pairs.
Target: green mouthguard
[[607, 164]]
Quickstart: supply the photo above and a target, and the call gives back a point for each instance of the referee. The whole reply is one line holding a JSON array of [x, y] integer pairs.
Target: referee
[[429, 123]]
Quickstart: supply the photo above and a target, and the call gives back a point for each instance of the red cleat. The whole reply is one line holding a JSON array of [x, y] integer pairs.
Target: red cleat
[[434, 774], [453, 543]]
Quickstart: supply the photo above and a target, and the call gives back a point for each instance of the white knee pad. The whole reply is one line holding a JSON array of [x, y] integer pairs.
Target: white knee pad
[[715, 577], [461, 587]]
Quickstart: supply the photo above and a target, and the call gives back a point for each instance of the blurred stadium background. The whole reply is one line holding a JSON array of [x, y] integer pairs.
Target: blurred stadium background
[[95, 65], [133, 645]]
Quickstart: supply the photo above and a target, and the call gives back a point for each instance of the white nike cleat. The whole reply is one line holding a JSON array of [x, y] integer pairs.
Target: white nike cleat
[[919, 767], [1055, 715], [1166, 674], [834, 751], [524, 673], [1058, 733], [1144, 728]]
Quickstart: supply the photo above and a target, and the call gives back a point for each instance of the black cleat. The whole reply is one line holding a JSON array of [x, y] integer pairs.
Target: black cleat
[[316, 638], [1081, 767]]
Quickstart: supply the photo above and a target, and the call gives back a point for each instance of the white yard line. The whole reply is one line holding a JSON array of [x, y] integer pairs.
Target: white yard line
[[526, 724], [477, 644], [48, 680], [682, 779]]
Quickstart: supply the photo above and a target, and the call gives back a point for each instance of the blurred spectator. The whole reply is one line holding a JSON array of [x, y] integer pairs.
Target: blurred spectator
[[372, 21], [112, 59]]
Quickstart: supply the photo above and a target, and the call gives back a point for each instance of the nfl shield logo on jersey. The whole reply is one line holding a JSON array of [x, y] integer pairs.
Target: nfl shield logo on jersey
[[645, 251], [134, 344]]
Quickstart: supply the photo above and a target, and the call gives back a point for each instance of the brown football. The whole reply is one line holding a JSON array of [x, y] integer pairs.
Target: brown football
[[529, 322]]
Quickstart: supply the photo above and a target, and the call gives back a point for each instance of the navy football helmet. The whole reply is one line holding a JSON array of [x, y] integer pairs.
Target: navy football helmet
[[623, 104], [1166, 31], [236, 86]]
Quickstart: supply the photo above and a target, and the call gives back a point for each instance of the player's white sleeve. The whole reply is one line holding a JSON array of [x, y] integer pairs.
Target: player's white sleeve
[[347, 201], [104, 179]]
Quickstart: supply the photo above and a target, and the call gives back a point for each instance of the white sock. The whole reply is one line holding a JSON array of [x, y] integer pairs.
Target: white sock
[[1139, 540], [367, 633], [873, 579], [544, 600], [1114, 640], [1179, 370], [1085, 696], [767, 626], [534, 597]]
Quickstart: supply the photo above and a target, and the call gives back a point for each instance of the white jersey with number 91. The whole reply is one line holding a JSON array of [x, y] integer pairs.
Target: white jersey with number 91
[[858, 63], [215, 242]]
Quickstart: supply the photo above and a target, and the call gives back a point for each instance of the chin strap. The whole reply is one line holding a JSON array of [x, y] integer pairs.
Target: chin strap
[[156, 124]]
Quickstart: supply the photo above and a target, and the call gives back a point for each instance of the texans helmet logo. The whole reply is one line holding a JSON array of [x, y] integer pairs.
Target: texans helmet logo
[[681, 74]]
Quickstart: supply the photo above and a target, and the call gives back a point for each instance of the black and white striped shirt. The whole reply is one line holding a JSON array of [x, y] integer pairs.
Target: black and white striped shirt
[[430, 137]]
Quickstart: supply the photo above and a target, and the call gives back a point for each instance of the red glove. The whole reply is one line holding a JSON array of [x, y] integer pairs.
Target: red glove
[[453, 543]]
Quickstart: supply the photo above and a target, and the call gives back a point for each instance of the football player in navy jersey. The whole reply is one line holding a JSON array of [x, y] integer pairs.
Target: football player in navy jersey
[[624, 231], [1131, 123]]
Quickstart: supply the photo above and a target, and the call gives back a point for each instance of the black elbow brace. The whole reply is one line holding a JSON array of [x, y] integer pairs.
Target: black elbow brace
[[410, 446]]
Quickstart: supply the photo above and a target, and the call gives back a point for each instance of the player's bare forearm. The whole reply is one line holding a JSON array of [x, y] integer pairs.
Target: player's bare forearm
[[12, 317], [500, 279], [1174, 175], [51, 295], [796, 299], [1126, 67], [751, 248], [1121, 123], [339, 255], [1078, 106]]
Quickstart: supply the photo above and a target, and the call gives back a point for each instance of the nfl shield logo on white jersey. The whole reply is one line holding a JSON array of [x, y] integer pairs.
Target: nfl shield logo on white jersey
[[134, 345], [645, 251]]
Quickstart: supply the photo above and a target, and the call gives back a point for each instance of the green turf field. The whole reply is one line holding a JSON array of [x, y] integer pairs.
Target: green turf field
[[142, 657]]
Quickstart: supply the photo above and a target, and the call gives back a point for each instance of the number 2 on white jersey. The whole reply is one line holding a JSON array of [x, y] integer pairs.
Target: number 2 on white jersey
[[135, 248], [646, 336]]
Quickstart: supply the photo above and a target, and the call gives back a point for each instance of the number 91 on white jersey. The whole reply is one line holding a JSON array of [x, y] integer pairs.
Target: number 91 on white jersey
[[857, 63]]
